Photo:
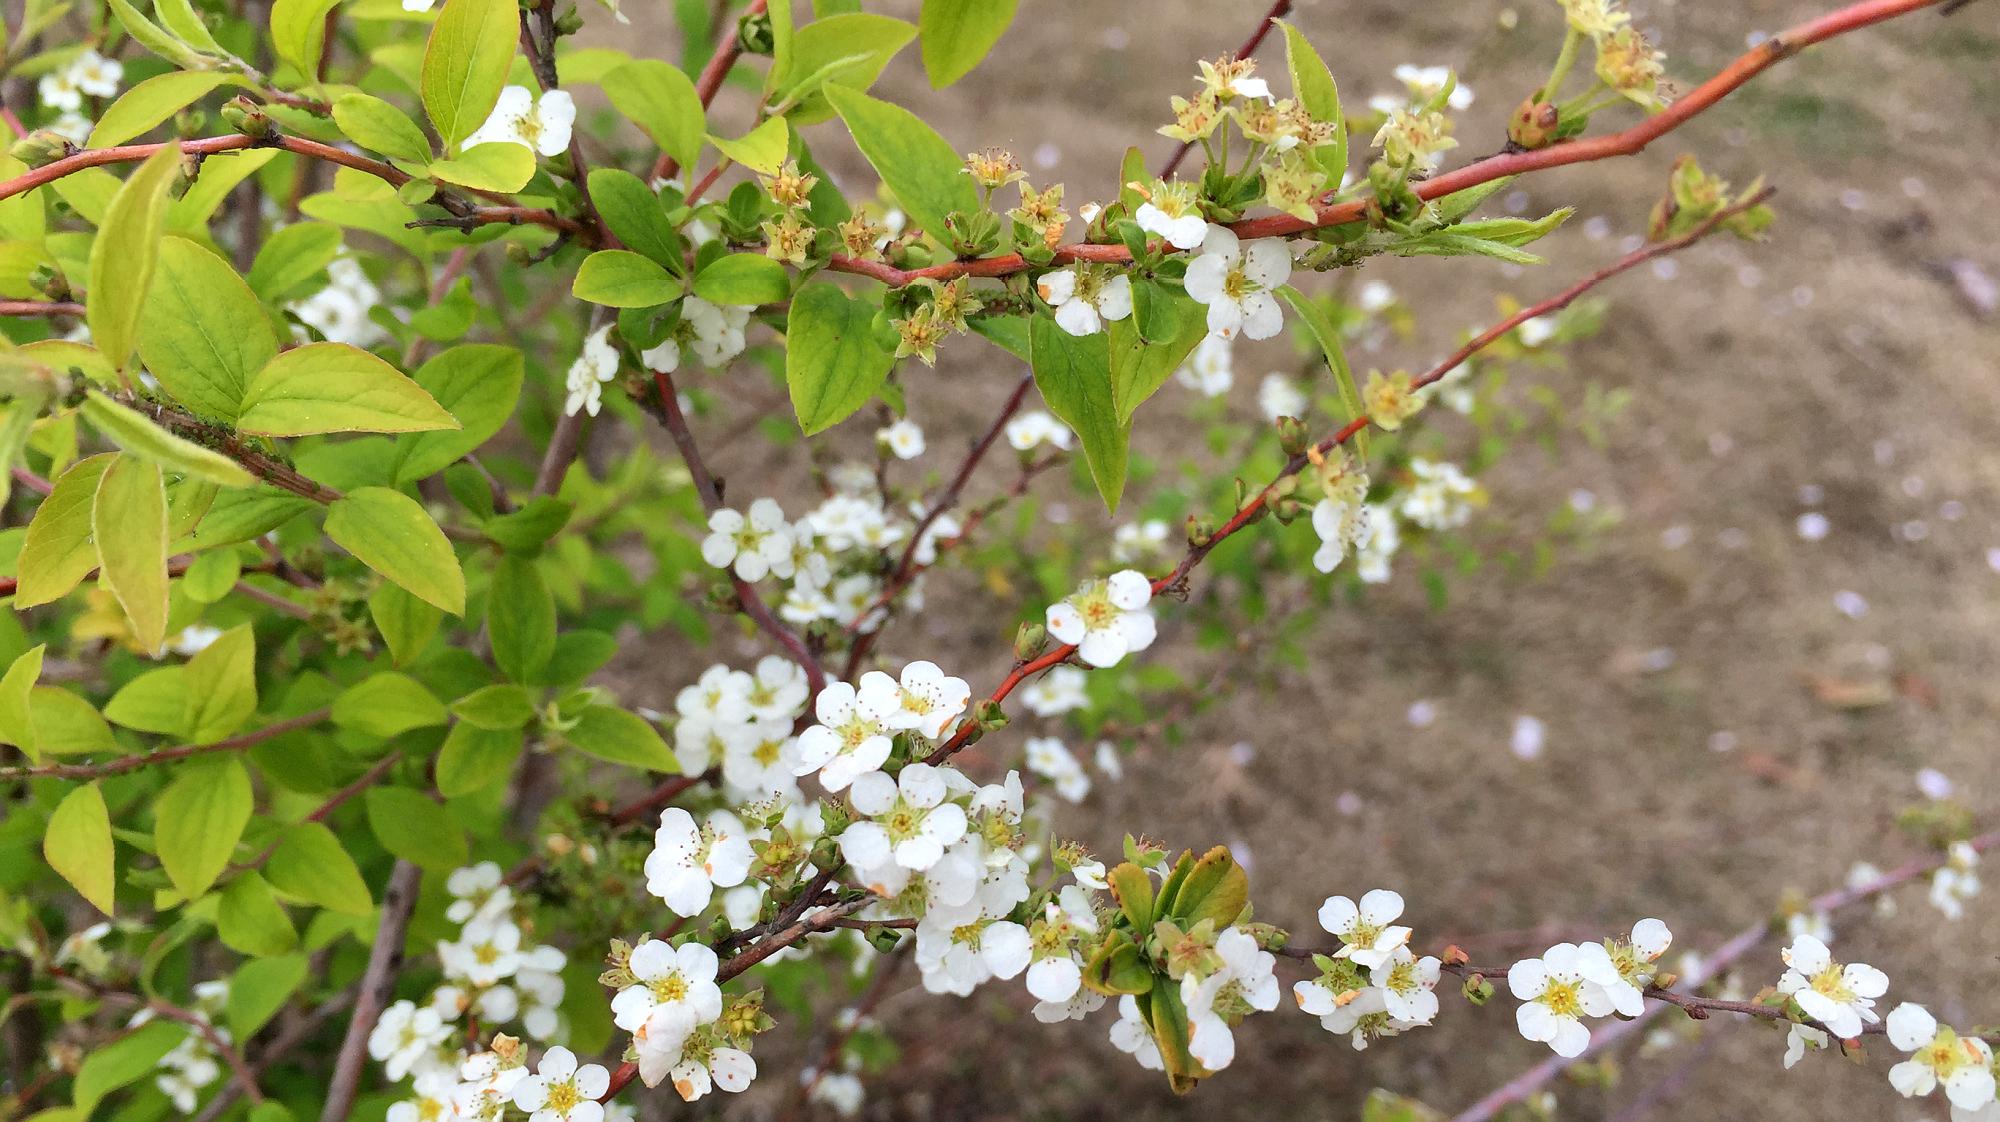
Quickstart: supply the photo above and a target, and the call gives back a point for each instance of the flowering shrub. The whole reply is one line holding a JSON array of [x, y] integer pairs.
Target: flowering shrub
[[318, 786]]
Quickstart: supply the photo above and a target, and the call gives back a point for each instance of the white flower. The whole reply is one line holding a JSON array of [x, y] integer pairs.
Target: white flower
[[904, 439], [960, 948], [1238, 282], [1051, 759], [763, 760], [594, 366], [1032, 429], [1956, 881], [1131, 1035], [851, 737], [718, 329], [1084, 297], [1138, 541], [87, 74], [672, 985], [1057, 692], [1279, 396], [1378, 547], [1106, 619], [756, 545], [1407, 984], [1440, 498], [404, 1036], [433, 1102], [1841, 997], [1555, 997], [1374, 296], [1340, 526], [560, 1091], [541, 124], [1367, 930], [840, 1090], [1962, 1064], [340, 310], [488, 950], [1172, 215], [477, 892], [1537, 330], [697, 1074], [1802, 1039], [777, 690], [925, 700], [909, 820], [541, 984], [1243, 983], [1211, 369], [690, 862]]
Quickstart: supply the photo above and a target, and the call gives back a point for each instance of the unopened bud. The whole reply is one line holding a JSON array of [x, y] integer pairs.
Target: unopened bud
[[569, 22], [1293, 436], [41, 148], [1533, 124], [248, 117], [989, 715], [753, 33], [1029, 641], [1200, 531], [884, 939]]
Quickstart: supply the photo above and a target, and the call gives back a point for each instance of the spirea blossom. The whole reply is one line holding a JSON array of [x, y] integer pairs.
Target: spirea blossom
[[1106, 619], [1239, 281], [1839, 996]]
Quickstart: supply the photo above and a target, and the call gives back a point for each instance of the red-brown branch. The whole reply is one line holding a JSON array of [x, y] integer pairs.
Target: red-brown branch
[[709, 82], [1255, 509], [167, 755], [1626, 143]]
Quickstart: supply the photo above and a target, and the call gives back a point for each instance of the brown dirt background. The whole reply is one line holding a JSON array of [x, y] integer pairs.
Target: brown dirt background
[[1840, 355]]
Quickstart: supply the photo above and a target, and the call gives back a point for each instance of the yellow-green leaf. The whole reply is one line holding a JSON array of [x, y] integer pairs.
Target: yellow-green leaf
[[466, 61], [198, 819], [958, 33], [58, 551], [203, 333], [334, 387], [123, 254], [221, 686], [661, 100], [310, 865], [129, 523], [148, 441], [924, 171], [1073, 372], [152, 101], [381, 127], [16, 695], [833, 362], [498, 165], [392, 534], [619, 278], [78, 846]]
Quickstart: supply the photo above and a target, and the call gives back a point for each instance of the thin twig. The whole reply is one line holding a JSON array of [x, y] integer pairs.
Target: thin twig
[[378, 984], [167, 755]]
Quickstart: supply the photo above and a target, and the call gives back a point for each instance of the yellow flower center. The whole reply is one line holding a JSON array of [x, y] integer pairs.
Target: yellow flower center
[[669, 987], [563, 1097], [1832, 983], [1564, 999]]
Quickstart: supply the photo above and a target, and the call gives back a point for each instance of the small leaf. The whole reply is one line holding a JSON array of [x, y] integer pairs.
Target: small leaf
[[634, 214], [387, 704], [833, 362], [198, 819], [16, 695], [1141, 365], [1132, 887], [392, 534], [520, 619], [203, 333], [474, 758], [78, 846], [478, 383], [334, 387], [259, 989], [497, 165], [1216, 889], [250, 920], [958, 33], [416, 829], [612, 734], [849, 49], [497, 707], [125, 1060], [619, 278], [466, 60], [152, 101], [59, 551], [1073, 373], [1313, 86], [298, 32], [123, 254], [743, 278], [1327, 336], [921, 168], [407, 624], [762, 149], [221, 686], [310, 865], [381, 127], [290, 257], [661, 100], [129, 524]]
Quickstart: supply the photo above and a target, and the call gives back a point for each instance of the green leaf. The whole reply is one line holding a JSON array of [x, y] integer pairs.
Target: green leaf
[[1132, 887], [527, 530], [334, 387], [180, 18], [415, 829], [743, 278], [612, 734], [125, 1060], [155, 701], [833, 361], [150, 36], [145, 440], [198, 819], [634, 214], [407, 624], [251, 921], [310, 865], [298, 32], [152, 101], [290, 257], [497, 165], [470, 51], [381, 127], [1327, 336], [1313, 85], [497, 707], [123, 254], [129, 523], [211, 576], [259, 989], [520, 619], [1139, 367], [1216, 889], [478, 384], [58, 551], [387, 704], [849, 50], [239, 516], [762, 149], [16, 692], [1073, 372], [203, 333], [619, 278], [65, 724], [958, 33], [661, 100], [474, 758], [221, 685], [926, 174], [78, 846], [392, 534]]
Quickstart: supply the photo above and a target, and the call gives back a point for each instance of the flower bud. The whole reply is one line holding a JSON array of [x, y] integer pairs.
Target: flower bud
[[1293, 436], [41, 148], [1200, 531], [248, 118], [754, 35], [1533, 124], [1029, 641], [989, 715]]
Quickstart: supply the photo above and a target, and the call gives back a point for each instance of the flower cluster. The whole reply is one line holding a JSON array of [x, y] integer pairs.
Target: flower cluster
[[193, 1063]]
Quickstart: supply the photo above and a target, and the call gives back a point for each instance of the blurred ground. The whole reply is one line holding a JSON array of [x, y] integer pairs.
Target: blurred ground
[[1841, 357]]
